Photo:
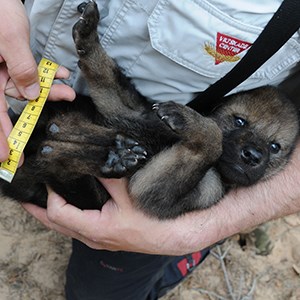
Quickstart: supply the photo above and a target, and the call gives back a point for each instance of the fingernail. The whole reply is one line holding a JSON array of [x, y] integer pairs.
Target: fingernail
[[32, 91]]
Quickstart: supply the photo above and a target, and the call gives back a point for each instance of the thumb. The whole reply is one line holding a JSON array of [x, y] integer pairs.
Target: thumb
[[24, 74], [22, 69], [15, 49], [118, 190]]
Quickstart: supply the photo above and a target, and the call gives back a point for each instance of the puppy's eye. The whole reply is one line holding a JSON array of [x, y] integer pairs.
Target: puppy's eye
[[240, 122], [275, 148]]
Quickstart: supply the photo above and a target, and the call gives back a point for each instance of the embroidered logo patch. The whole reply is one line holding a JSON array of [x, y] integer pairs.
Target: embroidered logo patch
[[227, 48]]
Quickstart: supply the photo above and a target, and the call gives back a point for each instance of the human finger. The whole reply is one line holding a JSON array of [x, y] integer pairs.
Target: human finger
[[61, 92], [15, 49], [58, 92], [70, 217], [4, 149], [118, 190], [5, 124]]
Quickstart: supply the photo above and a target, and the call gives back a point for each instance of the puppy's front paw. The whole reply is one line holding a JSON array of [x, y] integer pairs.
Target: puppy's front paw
[[171, 114], [124, 158]]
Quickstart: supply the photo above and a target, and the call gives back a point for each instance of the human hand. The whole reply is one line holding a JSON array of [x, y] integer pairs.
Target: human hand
[[18, 69], [120, 226], [16, 62]]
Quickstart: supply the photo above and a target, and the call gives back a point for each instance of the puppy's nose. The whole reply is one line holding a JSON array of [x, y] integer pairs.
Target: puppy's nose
[[251, 155]]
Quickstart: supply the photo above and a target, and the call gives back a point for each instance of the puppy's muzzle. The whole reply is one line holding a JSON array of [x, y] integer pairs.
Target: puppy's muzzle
[[251, 155]]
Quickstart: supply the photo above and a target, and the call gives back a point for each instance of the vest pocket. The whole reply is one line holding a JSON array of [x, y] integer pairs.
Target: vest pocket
[[197, 35]]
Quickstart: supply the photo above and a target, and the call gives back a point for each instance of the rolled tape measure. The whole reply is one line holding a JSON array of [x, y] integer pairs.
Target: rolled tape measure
[[23, 129]]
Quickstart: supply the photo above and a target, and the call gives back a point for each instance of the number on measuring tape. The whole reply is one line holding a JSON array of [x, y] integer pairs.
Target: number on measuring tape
[[23, 129]]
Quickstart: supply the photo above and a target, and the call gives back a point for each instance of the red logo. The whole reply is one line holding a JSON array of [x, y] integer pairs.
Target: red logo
[[227, 48]]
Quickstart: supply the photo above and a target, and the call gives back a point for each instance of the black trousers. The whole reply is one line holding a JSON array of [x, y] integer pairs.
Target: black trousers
[[105, 275]]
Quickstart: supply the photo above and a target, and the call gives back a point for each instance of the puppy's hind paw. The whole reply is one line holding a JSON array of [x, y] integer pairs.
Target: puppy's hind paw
[[124, 158]]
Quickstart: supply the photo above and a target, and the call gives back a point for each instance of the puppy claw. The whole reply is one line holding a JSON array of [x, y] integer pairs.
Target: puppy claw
[[81, 51], [155, 106], [81, 18], [139, 150], [130, 163], [120, 169], [122, 142], [172, 115]]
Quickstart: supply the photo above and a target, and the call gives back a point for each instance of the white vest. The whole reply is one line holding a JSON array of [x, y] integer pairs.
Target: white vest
[[171, 49]]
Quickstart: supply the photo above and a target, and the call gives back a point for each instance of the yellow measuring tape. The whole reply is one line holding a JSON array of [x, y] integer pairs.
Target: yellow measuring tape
[[22, 130]]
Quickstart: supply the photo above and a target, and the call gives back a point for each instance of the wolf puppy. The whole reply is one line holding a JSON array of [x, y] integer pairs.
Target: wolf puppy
[[176, 159]]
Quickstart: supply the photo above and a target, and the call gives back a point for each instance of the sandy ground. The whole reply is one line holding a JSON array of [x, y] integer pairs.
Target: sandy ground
[[33, 261]]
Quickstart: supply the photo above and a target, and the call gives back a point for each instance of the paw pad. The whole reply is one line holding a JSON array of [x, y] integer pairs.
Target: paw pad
[[53, 128], [125, 157], [46, 150]]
